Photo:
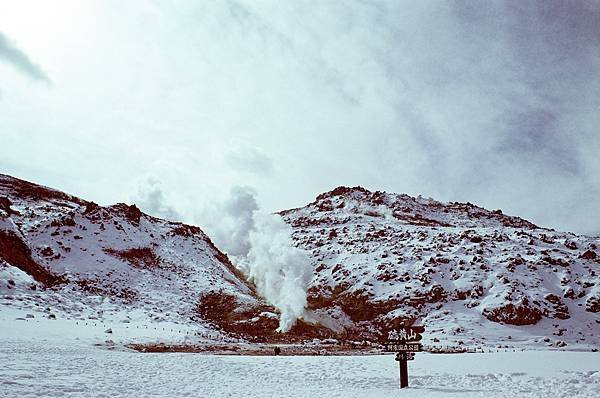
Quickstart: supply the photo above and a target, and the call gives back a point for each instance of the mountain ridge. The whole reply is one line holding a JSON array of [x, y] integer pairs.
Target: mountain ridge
[[469, 274], [381, 257]]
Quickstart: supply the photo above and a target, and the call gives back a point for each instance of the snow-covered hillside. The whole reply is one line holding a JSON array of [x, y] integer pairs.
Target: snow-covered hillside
[[472, 276], [469, 274], [67, 258]]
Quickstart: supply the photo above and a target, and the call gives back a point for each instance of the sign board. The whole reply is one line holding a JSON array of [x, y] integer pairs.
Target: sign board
[[405, 356], [406, 334], [404, 339], [414, 347]]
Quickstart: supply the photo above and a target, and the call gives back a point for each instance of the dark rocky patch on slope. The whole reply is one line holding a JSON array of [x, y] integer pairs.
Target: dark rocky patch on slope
[[14, 251]]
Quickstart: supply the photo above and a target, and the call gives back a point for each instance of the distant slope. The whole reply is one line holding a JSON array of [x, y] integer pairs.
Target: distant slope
[[85, 255], [461, 269]]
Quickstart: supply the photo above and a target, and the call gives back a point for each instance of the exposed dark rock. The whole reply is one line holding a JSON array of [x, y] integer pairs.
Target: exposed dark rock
[[67, 221], [134, 214], [91, 207], [25, 189], [555, 261], [511, 314], [186, 230], [16, 252], [589, 255], [47, 252], [5, 204], [560, 309], [593, 304], [139, 257], [570, 245]]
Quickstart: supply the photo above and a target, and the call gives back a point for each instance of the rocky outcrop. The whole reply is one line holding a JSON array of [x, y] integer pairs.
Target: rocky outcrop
[[592, 304], [14, 251], [589, 255], [519, 314]]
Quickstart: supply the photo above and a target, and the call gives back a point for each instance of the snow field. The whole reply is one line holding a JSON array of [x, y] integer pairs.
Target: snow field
[[54, 369]]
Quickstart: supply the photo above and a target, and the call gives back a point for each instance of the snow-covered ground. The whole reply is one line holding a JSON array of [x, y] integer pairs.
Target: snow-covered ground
[[54, 369], [19, 324], [44, 357], [69, 340]]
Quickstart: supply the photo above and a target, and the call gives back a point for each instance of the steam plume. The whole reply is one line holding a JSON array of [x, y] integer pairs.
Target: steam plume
[[261, 246], [151, 199]]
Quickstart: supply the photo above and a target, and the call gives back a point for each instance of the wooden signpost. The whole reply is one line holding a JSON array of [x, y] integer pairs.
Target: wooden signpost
[[404, 341]]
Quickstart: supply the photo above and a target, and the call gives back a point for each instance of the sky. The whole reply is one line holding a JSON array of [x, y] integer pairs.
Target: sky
[[172, 104]]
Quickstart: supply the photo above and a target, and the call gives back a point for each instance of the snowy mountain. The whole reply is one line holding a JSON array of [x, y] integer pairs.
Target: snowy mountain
[[472, 276], [74, 259], [469, 274]]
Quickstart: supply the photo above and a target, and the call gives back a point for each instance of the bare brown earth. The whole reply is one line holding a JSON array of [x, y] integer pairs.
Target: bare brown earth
[[259, 350], [256, 323], [307, 348]]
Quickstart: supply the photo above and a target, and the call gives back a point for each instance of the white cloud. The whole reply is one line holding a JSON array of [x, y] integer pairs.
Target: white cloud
[[493, 104], [250, 159]]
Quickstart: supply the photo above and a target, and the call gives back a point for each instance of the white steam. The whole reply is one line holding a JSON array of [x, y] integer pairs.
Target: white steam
[[261, 246], [233, 233], [151, 199]]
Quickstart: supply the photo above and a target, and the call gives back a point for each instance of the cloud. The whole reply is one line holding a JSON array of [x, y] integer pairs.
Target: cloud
[[17, 58], [150, 198], [494, 104], [247, 158]]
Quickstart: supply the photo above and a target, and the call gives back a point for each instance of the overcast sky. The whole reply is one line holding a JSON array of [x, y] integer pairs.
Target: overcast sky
[[172, 103]]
